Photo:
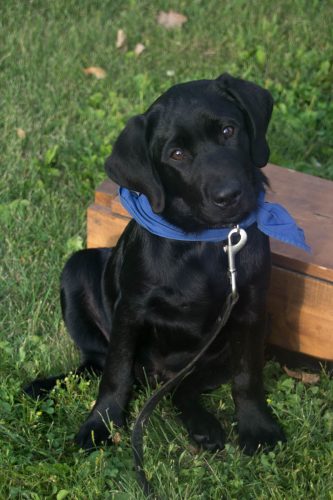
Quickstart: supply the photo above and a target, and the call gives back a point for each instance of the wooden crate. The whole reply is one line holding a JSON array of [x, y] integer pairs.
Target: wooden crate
[[301, 294]]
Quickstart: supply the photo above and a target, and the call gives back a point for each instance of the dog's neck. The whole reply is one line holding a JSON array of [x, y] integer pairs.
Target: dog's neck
[[271, 219]]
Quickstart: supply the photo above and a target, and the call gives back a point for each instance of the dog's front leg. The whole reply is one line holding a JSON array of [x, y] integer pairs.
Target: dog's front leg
[[256, 424], [116, 383]]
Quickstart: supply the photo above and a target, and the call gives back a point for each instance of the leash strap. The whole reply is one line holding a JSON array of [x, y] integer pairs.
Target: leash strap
[[232, 248], [151, 403]]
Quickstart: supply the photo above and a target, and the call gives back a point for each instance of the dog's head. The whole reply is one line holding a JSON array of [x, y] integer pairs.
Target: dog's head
[[195, 152]]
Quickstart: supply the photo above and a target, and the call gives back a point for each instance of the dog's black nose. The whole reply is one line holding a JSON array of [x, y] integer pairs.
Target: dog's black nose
[[228, 195]]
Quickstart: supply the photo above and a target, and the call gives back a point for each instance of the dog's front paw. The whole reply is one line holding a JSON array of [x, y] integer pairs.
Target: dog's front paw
[[206, 431], [93, 433], [99, 427], [259, 430]]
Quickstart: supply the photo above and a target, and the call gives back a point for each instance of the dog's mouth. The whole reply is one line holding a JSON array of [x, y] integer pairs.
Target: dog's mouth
[[215, 217], [202, 220], [210, 222], [206, 215]]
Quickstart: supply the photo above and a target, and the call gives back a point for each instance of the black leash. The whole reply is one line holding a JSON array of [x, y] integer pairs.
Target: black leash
[[151, 403]]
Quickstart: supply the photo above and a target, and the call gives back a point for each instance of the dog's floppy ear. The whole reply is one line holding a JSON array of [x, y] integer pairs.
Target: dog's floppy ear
[[258, 106], [130, 165]]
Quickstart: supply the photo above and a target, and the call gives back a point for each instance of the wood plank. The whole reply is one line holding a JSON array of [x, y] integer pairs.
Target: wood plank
[[301, 313], [106, 195], [103, 228], [310, 201]]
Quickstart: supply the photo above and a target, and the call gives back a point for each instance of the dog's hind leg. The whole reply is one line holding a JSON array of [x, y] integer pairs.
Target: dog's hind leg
[[93, 358], [81, 302], [41, 387], [92, 364]]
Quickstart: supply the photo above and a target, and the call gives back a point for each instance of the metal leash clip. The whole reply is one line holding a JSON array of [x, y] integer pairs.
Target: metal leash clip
[[232, 249]]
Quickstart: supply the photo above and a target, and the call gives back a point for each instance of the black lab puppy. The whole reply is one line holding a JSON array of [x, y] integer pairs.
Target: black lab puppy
[[143, 309]]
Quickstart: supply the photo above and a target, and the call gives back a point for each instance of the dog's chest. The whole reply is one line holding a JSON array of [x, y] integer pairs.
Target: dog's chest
[[193, 287], [184, 292]]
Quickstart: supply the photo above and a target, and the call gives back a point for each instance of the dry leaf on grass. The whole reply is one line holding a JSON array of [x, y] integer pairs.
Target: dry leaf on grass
[[121, 39], [95, 71], [139, 48], [171, 19], [116, 438], [21, 134], [193, 450], [306, 378], [209, 52]]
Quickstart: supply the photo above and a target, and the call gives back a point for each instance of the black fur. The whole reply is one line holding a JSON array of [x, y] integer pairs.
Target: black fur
[[144, 308]]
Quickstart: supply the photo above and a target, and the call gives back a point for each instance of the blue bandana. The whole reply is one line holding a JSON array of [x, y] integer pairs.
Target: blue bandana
[[271, 218]]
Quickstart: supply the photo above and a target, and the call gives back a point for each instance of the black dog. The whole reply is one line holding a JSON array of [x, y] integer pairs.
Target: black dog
[[144, 308]]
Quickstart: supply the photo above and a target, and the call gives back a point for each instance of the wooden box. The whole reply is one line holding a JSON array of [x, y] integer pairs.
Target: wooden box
[[301, 295]]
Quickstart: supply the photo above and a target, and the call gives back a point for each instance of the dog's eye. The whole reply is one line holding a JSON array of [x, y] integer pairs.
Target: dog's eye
[[178, 154], [228, 132]]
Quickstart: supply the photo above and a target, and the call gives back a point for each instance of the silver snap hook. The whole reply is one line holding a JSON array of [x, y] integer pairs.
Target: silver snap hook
[[232, 249]]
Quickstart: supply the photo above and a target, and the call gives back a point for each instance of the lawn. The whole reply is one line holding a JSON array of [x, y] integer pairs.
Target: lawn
[[57, 126]]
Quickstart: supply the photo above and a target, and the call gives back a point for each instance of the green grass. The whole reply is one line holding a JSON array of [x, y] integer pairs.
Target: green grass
[[47, 181]]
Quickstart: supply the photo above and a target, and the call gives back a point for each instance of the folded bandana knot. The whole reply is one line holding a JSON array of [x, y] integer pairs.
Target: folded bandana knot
[[271, 218], [275, 221]]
